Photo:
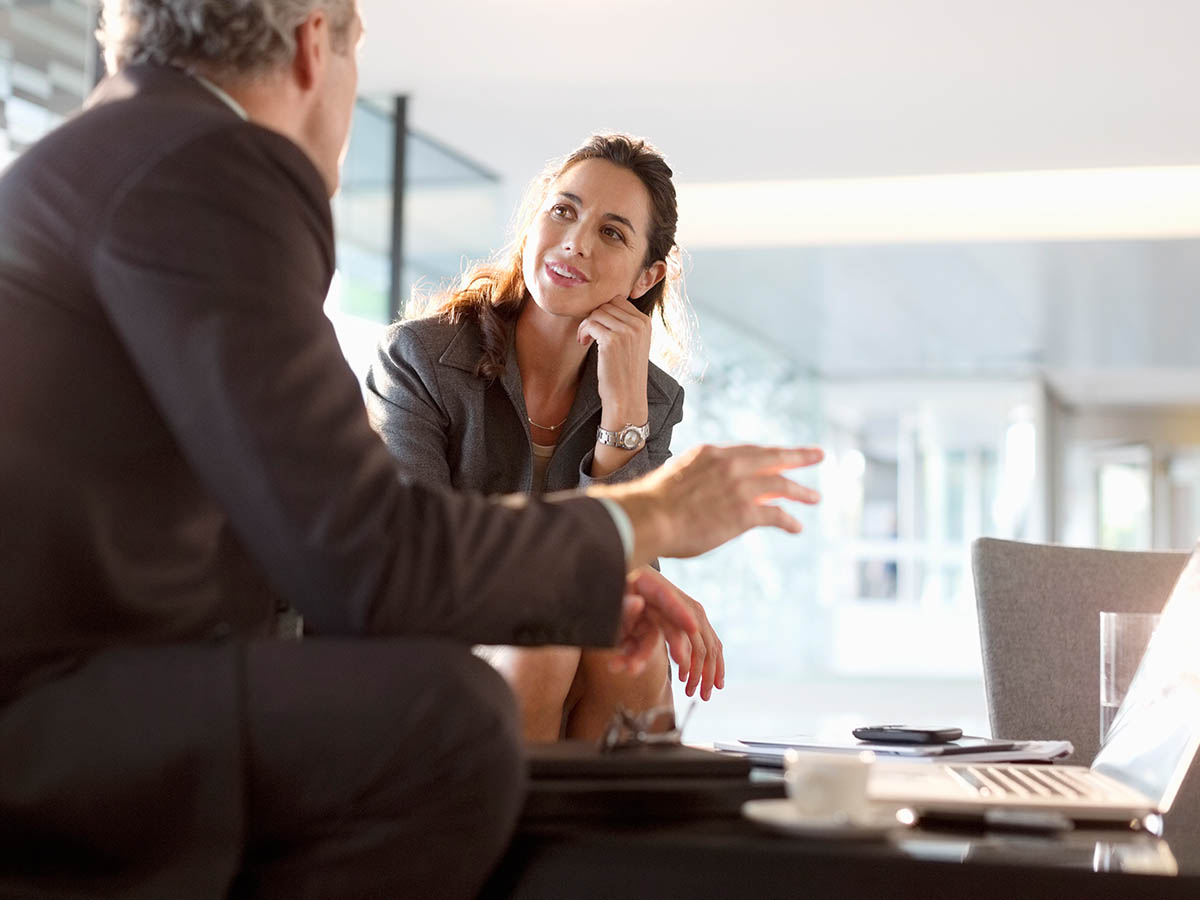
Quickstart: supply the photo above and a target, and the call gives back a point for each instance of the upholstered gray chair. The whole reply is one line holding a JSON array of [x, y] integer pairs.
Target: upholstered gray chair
[[1039, 622]]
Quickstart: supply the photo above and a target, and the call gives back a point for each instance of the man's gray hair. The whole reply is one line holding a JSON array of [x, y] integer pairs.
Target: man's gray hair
[[229, 36]]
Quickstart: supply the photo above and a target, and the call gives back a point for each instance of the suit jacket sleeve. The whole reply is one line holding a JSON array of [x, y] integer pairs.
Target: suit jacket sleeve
[[212, 267], [406, 408]]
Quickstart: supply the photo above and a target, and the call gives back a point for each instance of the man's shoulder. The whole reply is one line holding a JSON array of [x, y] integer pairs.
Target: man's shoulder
[[138, 120], [140, 114]]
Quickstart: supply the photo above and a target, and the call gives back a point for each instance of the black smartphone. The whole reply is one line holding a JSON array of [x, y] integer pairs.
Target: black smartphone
[[906, 734]]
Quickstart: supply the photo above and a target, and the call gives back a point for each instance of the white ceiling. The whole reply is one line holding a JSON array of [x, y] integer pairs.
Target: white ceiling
[[760, 89], [800, 88]]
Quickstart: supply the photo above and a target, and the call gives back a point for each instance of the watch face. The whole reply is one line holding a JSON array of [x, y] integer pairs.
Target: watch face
[[630, 438]]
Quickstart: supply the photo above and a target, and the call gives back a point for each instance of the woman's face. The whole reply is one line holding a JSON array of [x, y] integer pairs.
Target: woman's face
[[587, 242]]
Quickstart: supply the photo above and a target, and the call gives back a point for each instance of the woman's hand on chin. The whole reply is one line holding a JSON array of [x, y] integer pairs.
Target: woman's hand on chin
[[622, 333]]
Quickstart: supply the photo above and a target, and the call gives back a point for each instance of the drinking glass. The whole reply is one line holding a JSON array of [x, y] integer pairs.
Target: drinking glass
[[1124, 637]]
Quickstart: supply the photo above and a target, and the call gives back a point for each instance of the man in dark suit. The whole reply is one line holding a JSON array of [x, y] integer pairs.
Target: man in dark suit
[[184, 453]]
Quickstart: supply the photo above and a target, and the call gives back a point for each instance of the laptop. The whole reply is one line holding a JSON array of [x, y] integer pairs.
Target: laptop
[[1137, 772]]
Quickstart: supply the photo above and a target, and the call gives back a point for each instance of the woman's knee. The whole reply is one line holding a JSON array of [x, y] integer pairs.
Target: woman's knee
[[543, 680], [604, 691], [650, 687]]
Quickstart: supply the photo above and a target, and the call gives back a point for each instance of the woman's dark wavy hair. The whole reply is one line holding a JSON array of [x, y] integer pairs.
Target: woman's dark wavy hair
[[493, 293]]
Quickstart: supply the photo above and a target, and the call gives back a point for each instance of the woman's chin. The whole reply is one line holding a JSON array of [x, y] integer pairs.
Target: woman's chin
[[562, 304]]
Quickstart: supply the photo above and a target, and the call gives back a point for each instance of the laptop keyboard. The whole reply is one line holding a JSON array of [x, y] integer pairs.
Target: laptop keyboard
[[1028, 781]]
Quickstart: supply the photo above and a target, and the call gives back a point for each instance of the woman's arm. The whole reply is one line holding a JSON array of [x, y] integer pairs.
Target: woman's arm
[[622, 335], [656, 451], [405, 406]]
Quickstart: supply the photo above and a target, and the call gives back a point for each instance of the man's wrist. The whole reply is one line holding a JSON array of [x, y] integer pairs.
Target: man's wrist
[[624, 528], [649, 523]]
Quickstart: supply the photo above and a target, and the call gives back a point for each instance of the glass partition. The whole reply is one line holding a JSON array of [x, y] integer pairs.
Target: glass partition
[[449, 214], [362, 211], [359, 302], [452, 214]]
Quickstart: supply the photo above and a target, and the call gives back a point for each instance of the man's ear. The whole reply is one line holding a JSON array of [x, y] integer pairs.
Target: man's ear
[[648, 279], [312, 49]]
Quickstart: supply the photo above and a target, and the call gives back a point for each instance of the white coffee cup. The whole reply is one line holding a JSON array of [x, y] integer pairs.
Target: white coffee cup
[[829, 786]]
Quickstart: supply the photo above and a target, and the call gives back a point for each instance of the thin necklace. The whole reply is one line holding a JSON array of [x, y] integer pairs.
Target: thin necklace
[[549, 427]]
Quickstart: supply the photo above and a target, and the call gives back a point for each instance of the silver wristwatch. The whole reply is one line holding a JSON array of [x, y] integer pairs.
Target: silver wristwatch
[[631, 437]]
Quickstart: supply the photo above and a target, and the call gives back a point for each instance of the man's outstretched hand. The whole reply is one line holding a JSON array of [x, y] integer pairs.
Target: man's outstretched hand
[[703, 498]]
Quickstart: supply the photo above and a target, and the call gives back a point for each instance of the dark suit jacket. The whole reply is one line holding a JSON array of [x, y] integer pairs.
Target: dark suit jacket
[[448, 426], [183, 446]]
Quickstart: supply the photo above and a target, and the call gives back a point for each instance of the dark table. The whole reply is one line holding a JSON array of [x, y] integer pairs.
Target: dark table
[[714, 855]]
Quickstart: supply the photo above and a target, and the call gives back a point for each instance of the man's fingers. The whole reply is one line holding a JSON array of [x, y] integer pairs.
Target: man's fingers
[[662, 597], [699, 653], [777, 487], [664, 614], [710, 670], [632, 605], [682, 647], [680, 644], [636, 648], [775, 517], [633, 609], [708, 495], [646, 644], [747, 459]]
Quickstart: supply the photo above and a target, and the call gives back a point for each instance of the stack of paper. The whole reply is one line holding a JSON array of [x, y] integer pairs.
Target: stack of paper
[[770, 751]]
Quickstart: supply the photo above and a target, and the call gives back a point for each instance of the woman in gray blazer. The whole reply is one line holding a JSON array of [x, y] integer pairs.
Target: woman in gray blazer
[[534, 375]]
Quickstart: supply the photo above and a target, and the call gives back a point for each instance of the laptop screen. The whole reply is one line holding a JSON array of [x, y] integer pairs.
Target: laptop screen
[[1157, 729]]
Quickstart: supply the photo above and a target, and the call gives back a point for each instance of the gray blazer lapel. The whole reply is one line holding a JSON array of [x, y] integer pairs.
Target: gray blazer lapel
[[464, 350], [511, 382], [587, 396]]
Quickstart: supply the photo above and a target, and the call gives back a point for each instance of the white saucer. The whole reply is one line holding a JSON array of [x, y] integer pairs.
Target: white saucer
[[780, 814]]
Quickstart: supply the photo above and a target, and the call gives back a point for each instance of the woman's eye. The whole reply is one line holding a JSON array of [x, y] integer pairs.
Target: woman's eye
[[613, 233], [560, 210]]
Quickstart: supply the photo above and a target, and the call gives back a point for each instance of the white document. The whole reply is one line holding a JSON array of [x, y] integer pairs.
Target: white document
[[770, 751]]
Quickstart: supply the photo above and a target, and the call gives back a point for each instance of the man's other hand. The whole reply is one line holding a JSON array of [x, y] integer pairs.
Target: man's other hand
[[699, 654], [653, 610]]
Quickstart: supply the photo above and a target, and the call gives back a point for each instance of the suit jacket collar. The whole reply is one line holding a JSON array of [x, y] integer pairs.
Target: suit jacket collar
[[146, 78]]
